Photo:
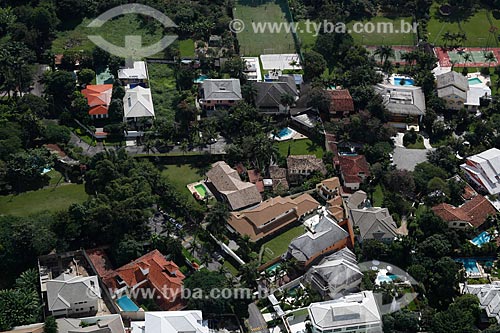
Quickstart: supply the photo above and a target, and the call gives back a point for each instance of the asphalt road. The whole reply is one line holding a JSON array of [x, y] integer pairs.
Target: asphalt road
[[256, 321]]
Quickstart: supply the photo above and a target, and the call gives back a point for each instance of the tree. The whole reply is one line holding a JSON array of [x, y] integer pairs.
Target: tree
[[60, 86], [249, 92], [54, 133], [25, 168], [86, 76], [384, 52], [235, 67], [461, 316], [204, 281], [50, 325], [490, 57], [128, 249], [314, 65], [320, 100], [216, 218]]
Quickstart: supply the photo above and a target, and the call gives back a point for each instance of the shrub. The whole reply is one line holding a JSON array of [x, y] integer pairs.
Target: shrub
[[410, 138], [485, 71]]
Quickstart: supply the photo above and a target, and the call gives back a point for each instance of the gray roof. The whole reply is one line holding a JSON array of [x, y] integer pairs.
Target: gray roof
[[452, 79], [269, 93], [356, 200], [405, 100], [489, 297], [103, 324], [66, 290], [451, 91], [324, 233], [221, 89], [354, 309], [374, 223]]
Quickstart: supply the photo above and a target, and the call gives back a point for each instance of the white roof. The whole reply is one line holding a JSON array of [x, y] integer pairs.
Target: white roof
[[351, 310], [66, 290], [138, 103], [489, 297], [171, 322], [475, 93], [138, 72], [486, 168]]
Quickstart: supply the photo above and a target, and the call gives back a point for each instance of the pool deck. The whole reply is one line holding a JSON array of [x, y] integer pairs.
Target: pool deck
[[294, 136], [192, 189]]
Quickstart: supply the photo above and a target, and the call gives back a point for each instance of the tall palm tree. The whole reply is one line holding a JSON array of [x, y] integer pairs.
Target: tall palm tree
[[384, 52], [447, 37], [490, 57], [287, 100], [467, 58]]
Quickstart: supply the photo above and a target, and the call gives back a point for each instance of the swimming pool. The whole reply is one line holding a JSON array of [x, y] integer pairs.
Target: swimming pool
[[398, 81], [202, 191], [126, 304], [469, 264], [474, 81], [387, 278], [285, 134], [201, 78], [481, 239], [273, 267]]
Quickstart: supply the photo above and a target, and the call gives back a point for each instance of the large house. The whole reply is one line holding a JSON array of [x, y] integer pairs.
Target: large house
[[355, 313], [226, 184], [353, 171], [472, 213], [137, 103], [452, 87], [98, 98], [272, 215], [375, 223], [301, 166], [269, 95], [215, 93], [137, 74], [171, 322], [152, 271], [341, 102], [73, 295], [329, 188], [488, 295], [405, 104], [483, 170], [102, 324], [324, 235], [336, 274]]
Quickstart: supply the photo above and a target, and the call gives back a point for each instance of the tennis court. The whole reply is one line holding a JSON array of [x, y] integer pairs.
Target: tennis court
[[457, 56], [280, 61], [398, 52]]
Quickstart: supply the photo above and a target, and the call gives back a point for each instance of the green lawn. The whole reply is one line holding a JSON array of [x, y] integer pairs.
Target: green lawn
[[49, 199], [55, 177], [279, 244], [419, 144], [307, 39], [163, 90], [186, 47], [388, 38], [233, 270], [300, 147], [378, 196], [182, 175], [255, 44], [114, 31], [475, 27]]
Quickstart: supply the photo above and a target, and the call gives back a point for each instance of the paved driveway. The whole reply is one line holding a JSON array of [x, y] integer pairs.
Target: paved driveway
[[407, 159]]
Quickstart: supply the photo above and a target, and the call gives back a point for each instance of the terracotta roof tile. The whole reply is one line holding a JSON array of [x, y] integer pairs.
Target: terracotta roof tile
[[352, 167], [341, 101], [474, 211]]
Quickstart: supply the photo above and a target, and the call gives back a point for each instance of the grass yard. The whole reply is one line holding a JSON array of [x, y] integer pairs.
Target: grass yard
[[377, 39], [279, 244], [255, 44], [186, 48], [47, 199], [55, 177], [300, 147], [378, 196], [475, 27], [163, 89], [182, 175], [419, 144], [307, 39], [231, 269], [114, 31]]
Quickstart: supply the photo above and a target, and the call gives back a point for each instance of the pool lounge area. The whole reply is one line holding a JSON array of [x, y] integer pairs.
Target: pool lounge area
[[199, 190], [286, 134]]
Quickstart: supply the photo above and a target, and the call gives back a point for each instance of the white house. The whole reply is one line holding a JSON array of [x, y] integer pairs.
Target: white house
[[452, 87], [171, 322], [136, 74], [484, 170], [138, 103], [489, 297], [69, 295], [355, 313]]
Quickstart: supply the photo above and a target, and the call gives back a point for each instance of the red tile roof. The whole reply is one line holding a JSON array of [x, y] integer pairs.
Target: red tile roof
[[341, 101], [98, 98], [474, 211], [100, 109], [352, 167]]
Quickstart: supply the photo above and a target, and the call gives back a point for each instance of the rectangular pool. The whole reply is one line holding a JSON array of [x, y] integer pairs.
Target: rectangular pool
[[126, 304], [474, 81], [399, 81], [202, 191], [469, 264]]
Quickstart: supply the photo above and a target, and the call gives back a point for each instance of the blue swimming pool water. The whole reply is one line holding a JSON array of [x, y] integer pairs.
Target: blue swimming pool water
[[474, 80], [469, 264], [273, 267], [481, 239], [285, 132], [126, 304], [407, 82], [387, 278], [201, 78]]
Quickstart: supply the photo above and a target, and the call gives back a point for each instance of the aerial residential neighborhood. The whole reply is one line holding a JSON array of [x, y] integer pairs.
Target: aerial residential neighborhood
[[249, 166]]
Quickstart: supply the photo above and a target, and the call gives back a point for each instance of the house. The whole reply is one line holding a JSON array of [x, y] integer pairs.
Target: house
[[353, 171], [483, 170], [154, 272], [137, 103], [225, 183], [171, 322], [215, 93], [252, 69], [329, 188], [405, 104], [73, 295], [336, 274], [324, 235], [98, 98], [358, 199], [472, 214], [356, 313], [341, 102], [301, 166], [477, 96], [375, 223], [255, 178], [269, 95], [272, 216], [452, 87], [278, 177], [137, 74], [102, 324], [488, 295]]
